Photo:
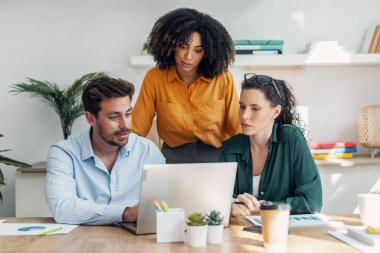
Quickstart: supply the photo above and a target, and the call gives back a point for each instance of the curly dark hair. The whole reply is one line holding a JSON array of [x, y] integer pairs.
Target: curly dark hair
[[177, 26], [278, 92]]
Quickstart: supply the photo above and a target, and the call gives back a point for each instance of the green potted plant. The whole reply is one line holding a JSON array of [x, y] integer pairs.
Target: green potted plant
[[215, 227], [197, 229], [66, 103], [8, 161]]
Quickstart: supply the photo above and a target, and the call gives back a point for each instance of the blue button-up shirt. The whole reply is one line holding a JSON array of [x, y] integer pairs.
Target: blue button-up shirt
[[78, 187]]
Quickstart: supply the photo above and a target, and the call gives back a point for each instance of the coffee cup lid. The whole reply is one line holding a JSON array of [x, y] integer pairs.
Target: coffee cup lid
[[269, 205]]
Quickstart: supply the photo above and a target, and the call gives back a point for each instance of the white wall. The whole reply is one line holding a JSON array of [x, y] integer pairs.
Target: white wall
[[61, 40], [341, 186]]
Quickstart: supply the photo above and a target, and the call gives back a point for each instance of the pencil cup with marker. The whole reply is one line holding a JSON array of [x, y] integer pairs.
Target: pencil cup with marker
[[170, 223]]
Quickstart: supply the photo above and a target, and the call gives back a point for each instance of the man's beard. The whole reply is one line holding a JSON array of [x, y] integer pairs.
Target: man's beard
[[109, 140]]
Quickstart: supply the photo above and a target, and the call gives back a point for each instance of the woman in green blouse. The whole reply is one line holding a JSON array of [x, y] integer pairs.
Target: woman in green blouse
[[274, 161]]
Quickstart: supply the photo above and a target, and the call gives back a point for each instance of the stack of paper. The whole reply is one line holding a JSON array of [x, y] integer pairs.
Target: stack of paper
[[35, 228], [325, 48], [326, 52]]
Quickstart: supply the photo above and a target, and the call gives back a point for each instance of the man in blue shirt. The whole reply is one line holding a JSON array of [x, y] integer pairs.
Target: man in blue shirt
[[94, 177]]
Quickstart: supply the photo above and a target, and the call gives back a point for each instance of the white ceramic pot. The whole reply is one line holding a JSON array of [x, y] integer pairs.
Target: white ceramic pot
[[197, 236], [215, 234]]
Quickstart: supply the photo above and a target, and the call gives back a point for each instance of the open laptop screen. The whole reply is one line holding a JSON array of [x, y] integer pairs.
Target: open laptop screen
[[195, 187]]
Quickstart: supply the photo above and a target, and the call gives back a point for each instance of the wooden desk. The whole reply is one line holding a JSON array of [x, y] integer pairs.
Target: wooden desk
[[114, 239]]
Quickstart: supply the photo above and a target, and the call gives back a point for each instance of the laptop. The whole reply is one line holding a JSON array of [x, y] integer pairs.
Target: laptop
[[195, 187]]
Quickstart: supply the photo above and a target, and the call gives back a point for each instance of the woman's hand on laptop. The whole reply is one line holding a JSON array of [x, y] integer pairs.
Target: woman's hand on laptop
[[246, 205], [130, 214]]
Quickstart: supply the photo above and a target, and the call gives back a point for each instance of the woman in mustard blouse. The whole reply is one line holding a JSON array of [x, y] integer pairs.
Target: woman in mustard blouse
[[191, 91], [274, 160]]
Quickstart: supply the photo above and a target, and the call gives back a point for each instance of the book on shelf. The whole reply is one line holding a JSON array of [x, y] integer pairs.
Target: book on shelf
[[375, 41], [327, 145], [258, 42], [262, 47], [261, 52], [332, 156], [333, 150], [361, 234], [250, 51], [371, 43]]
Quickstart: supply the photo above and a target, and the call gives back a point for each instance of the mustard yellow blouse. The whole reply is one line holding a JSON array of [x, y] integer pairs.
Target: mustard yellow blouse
[[207, 110]]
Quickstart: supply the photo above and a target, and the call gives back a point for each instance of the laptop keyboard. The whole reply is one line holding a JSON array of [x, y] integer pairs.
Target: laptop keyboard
[[130, 226]]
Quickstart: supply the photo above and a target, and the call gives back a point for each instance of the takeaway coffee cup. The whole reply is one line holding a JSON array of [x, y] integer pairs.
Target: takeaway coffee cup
[[275, 223], [369, 207]]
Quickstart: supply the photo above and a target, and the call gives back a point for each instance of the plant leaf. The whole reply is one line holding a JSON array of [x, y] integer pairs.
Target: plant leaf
[[48, 92], [1, 183], [1, 178], [66, 103], [35, 88], [75, 90], [9, 161]]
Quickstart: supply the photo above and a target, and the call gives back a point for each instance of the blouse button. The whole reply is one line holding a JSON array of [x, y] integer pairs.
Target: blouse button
[[262, 193]]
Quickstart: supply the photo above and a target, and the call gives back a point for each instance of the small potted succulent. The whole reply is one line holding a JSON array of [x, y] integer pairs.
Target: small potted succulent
[[215, 227], [197, 229]]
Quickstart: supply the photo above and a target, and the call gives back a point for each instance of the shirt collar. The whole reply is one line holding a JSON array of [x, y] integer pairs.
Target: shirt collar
[[88, 152], [172, 76]]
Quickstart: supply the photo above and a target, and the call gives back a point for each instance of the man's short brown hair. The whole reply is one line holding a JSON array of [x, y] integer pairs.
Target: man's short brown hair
[[100, 88]]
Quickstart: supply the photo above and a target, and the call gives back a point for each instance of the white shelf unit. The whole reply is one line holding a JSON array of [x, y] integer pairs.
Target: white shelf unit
[[285, 60]]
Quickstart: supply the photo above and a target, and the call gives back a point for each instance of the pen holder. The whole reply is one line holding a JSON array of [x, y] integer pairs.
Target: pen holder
[[171, 225]]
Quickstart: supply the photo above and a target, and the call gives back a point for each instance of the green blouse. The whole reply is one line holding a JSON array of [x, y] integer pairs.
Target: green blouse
[[289, 174]]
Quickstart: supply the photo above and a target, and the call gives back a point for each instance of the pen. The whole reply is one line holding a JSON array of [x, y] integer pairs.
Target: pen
[[165, 206], [158, 209], [158, 206], [51, 231]]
